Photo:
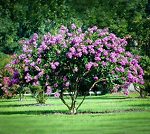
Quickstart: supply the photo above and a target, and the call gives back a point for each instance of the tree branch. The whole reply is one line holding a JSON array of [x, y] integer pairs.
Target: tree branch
[[81, 102], [62, 99], [96, 83]]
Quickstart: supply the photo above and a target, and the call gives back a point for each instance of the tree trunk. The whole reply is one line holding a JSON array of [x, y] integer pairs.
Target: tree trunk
[[73, 111], [20, 96]]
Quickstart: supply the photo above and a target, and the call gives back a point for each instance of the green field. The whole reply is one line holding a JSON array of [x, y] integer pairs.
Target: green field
[[109, 114]]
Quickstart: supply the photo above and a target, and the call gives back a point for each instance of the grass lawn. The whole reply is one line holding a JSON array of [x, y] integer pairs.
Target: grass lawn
[[109, 114]]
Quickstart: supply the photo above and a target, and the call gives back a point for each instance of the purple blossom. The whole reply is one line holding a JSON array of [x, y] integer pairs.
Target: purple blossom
[[84, 50], [122, 69], [55, 85], [97, 59], [100, 49], [28, 77], [36, 83], [89, 41], [105, 53], [43, 46], [65, 78], [47, 77], [79, 54], [69, 55], [14, 80], [39, 60], [25, 48], [37, 68], [56, 95], [26, 69], [49, 90], [129, 54], [79, 30], [117, 69], [26, 61], [69, 34], [104, 63], [134, 62], [73, 26], [22, 56], [46, 84], [88, 66], [16, 61], [41, 73], [36, 77], [76, 41], [32, 64], [56, 63], [95, 78], [16, 74], [67, 84], [40, 50], [123, 61], [53, 66], [95, 64]]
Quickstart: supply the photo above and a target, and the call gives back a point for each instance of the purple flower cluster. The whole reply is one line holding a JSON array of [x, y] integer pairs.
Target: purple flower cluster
[[15, 78], [54, 65], [66, 55], [49, 90]]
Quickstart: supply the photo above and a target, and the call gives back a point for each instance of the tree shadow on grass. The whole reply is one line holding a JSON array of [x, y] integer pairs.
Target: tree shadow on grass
[[108, 97], [141, 105], [66, 112], [11, 100], [14, 105], [34, 112], [28, 105]]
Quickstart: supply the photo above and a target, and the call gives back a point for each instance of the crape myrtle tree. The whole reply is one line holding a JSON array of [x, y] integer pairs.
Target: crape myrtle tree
[[71, 58]]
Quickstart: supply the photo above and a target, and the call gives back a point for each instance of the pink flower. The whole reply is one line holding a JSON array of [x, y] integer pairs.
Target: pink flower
[[49, 90], [65, 78], [95, 78], [97, 59], [104, 63], [26, 69], [67, 84], [69, 55], [57, 95], [28, 77], [73, 26], [56, 63], [6, 81], [36, 83], [53, 66], [55, 85], [39, 61], [88, 66]]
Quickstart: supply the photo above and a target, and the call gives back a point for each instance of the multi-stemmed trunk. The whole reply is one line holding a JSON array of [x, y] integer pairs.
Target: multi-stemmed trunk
[[73, 107]]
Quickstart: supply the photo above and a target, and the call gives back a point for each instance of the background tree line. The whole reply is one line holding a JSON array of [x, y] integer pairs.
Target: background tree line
[[21, 18]]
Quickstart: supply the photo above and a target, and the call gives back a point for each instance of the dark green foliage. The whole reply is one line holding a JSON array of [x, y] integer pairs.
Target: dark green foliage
[[145, 62], [21, 18], [4, 59]]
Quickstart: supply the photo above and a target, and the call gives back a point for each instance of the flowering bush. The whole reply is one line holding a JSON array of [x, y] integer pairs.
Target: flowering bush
[[7, 81], [72, 58]]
